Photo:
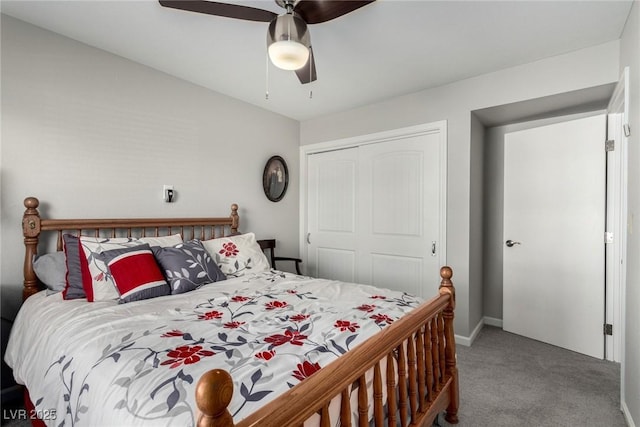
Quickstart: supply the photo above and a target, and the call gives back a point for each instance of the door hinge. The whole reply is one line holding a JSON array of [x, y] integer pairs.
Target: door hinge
[[609, 145], [627, 130], [608, 237], [608, 329]]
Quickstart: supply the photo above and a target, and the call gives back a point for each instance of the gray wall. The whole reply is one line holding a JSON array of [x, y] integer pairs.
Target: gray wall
[[630, 56], [95, 135], [493, 221], [476, 220], [454, 102]]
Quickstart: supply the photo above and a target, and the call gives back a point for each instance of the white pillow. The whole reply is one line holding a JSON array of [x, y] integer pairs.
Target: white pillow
[[237, 255], [163, 242]]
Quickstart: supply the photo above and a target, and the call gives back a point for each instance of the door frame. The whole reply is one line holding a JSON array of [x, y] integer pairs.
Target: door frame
[[616, 252], [439, 127]]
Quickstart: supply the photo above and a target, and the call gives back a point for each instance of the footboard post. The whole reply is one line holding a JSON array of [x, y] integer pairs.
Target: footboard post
[[446, 287], [213, 395], [31, 232]]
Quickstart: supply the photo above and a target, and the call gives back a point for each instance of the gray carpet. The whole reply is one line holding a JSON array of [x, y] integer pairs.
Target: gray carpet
[[509, 380]]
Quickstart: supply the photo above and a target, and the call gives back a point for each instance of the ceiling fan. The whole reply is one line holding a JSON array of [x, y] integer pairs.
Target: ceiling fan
[[288, 38]]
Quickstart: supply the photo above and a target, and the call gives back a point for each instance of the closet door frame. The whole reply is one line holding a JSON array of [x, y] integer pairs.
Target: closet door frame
[[439, 127]]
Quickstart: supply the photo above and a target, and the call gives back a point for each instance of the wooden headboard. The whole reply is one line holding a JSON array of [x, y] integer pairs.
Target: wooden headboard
[[189, 228]]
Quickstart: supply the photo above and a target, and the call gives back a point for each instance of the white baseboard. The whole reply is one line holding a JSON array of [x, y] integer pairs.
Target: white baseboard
[[476, 331], [492, 321], [468, 341], [627, 414], [462, 340]]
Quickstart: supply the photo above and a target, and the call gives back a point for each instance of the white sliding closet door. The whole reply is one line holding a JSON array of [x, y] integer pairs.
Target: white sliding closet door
[[332, 207], [376, 212], [400, 214]]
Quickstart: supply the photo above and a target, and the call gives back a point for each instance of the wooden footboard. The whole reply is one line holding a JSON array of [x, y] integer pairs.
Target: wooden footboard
[[417, 352]]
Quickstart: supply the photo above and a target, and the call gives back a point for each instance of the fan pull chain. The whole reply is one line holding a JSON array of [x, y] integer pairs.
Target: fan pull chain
[[310, 71], [266, 93]]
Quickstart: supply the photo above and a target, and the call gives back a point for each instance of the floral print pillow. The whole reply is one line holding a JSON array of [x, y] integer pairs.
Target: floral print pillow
[[237, 255], [187, 266]]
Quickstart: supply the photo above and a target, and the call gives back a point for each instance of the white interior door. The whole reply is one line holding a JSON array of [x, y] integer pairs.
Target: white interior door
[[400, 214], [554, 207], [332, 182]]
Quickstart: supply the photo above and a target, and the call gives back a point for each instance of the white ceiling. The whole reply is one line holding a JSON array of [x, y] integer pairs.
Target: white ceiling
[[385, 49]]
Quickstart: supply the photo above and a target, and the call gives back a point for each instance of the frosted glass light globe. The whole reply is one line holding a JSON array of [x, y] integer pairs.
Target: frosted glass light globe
[[288, 54]]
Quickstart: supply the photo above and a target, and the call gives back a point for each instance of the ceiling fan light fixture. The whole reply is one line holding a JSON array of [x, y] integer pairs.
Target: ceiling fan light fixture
[[288, 42], [288, 54]]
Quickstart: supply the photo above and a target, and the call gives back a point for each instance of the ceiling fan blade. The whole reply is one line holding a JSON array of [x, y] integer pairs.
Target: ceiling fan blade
[[317, 11], [307, 74], [221, 9]]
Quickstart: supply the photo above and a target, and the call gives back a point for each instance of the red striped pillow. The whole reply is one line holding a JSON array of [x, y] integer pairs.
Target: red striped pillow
[[135, 273]]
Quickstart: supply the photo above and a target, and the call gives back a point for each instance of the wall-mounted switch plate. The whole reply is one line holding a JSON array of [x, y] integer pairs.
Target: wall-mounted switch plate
[[168, 194]]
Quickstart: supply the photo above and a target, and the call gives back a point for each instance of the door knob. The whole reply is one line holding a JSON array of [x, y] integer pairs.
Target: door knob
[[510, 243]]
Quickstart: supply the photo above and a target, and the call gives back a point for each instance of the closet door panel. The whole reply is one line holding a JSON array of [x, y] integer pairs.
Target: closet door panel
[[396, 178], [332, 213], [336, 264], [397, 272], [399, 214]]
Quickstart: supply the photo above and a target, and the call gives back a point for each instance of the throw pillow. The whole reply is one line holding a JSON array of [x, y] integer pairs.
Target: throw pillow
[[73, 287], [135, 273], [187, 266], [237, 255]]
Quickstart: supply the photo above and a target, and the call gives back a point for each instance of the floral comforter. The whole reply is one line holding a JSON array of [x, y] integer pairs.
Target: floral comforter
[[105, 364]]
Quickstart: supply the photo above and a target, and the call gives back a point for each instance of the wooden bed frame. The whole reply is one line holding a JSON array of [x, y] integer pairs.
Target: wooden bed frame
[[421, 376]]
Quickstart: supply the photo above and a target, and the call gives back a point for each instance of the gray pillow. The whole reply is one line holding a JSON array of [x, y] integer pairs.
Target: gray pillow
[[187, 266], [73, 288], [51, 269]]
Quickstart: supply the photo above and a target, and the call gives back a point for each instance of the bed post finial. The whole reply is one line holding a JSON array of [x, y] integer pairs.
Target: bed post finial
[[235, 219], [213, 395], [31, 232], [446, 286], [451, 368]]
